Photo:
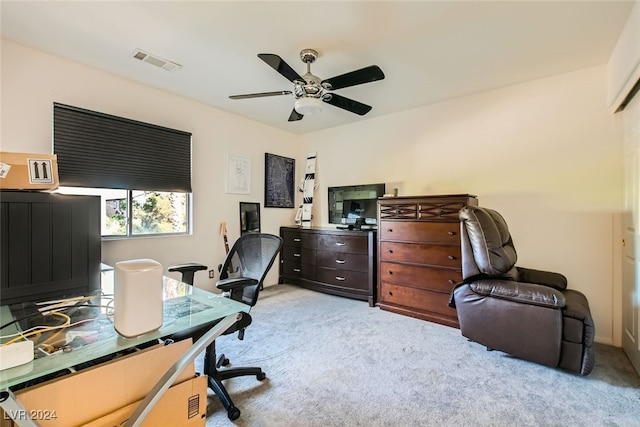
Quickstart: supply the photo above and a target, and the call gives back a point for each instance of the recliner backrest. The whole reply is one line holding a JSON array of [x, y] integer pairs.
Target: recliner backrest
[[487, 246]]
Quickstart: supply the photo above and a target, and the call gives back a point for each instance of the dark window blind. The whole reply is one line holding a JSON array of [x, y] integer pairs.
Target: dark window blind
[[99, 150]]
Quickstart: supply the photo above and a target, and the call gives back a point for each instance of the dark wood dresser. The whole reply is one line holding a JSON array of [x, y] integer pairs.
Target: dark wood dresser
[[339, 262], [419, 255]]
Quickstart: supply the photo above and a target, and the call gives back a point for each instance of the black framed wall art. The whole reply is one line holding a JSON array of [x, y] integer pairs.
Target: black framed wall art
[[279, 174]]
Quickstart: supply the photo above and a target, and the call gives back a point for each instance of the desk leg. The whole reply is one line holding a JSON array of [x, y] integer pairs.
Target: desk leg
[[169, 377], [12, 409]]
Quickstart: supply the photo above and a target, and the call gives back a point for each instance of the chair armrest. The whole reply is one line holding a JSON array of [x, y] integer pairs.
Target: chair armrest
[[188, 270], [191, 266], [577, 308], [234, 283], [525, 293], [546, 278]]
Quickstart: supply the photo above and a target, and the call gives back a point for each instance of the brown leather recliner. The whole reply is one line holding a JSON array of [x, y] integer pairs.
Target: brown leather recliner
[[527, 313]]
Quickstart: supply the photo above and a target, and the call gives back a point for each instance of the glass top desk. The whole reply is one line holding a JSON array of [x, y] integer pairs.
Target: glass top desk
[[184, 307]]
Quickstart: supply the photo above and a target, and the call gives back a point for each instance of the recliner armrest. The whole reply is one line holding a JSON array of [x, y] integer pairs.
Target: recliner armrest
[[526, 293], [234, 283], [546, 278]]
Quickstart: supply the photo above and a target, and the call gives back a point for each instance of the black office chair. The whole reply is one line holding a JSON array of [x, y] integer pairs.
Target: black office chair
[[241, 277]]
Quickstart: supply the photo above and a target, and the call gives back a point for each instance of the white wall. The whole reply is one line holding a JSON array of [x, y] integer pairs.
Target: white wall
[[546, 154], [32, 81]]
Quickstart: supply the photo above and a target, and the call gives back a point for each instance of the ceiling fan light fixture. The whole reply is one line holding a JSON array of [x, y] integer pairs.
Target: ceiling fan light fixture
[[307, 106], [310, 92]]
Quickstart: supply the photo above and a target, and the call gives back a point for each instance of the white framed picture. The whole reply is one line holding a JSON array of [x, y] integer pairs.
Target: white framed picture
[[238, 174]]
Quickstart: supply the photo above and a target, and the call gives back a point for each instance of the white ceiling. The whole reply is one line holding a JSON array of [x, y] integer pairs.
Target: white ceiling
[[429, 50]]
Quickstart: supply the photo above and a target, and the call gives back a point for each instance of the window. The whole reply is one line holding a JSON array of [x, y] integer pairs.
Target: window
[[133, 213], [141, 171]]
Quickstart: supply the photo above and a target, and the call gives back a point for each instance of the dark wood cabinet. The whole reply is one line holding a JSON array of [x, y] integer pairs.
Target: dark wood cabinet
[[298, 255], [419, 255], [339, 262], [50, 246]]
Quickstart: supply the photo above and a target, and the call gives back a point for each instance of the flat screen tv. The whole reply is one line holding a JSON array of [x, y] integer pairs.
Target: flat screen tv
[[355, 206]]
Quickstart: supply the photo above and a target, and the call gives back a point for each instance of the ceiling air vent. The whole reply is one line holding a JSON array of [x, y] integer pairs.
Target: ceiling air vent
[[156, 60]]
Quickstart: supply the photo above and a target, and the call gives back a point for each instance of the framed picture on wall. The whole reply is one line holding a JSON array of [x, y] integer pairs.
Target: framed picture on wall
[[249, 218], [238, 174], [279, 174]]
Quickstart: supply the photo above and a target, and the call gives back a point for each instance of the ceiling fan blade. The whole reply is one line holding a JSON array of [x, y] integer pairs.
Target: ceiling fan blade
[[261, 94], [347, 104], [278, 64], [363, 75], [295, 116]]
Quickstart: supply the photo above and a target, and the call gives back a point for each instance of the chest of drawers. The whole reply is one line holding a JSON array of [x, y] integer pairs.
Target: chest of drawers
[[419, 255], [339, 262]]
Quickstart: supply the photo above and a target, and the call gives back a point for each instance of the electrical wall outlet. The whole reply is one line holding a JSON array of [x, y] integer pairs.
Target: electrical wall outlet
[[211, 274]]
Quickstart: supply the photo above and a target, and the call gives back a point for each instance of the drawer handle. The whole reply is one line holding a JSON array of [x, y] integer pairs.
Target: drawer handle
[[296, 255], [390, 293], [296, 240], [340, 261], [390, 230], [340, 243], [340, 278], [451, 257], [389, 272], [453, 282], [390, 251], [297, 270], [451, 233]]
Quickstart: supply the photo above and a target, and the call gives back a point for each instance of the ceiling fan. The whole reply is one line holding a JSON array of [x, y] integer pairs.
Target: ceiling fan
[[310, 91]]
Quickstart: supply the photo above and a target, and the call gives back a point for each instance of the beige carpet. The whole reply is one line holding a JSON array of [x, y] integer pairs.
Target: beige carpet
[[333, 361]]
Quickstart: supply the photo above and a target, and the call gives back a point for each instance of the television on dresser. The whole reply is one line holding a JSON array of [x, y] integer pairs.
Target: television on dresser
[[50, 246], [355, 206]]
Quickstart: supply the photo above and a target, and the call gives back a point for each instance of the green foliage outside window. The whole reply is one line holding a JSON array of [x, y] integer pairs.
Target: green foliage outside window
[[151, 212], [156, 212]]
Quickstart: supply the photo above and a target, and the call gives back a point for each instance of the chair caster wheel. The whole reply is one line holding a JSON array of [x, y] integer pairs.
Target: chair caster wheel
[[233, 413], [222, 361], [261, 376]]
